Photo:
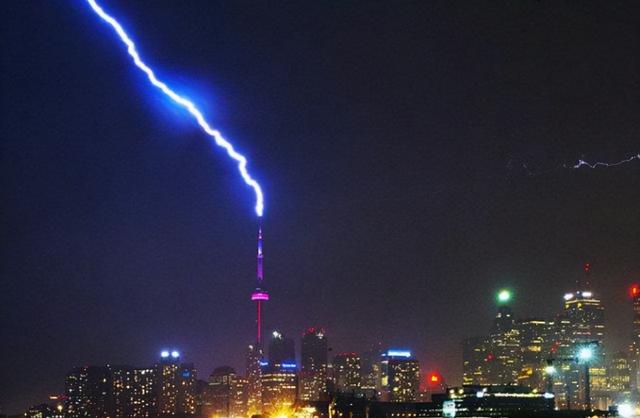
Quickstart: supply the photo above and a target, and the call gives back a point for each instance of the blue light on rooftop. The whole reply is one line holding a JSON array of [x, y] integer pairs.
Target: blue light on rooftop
[[399, 353]]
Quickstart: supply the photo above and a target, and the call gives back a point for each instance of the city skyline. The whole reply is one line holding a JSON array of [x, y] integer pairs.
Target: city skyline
[[289, 353], [412, 160]]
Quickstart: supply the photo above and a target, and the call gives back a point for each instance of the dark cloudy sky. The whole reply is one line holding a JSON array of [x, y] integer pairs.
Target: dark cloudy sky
[[389, 138]]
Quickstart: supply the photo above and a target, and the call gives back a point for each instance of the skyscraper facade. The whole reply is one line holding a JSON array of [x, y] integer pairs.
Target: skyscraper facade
[[347, 373], [634, 349], [505, 359], [313, 365], [176, 386], [225, 394], [400, 376], [476, 354], [536, 340], [89, 392], [254, 379], [585, 314]]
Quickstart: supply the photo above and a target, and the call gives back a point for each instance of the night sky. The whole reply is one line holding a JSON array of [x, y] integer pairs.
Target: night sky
[[389, 137]]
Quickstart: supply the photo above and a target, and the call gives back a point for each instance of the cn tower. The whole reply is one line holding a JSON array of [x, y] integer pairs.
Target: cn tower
[[260, 294]]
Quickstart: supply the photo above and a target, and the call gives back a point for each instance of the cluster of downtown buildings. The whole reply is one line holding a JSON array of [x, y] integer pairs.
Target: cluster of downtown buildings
[[565, 356], [272, 384], [522, 365], [534, 362]]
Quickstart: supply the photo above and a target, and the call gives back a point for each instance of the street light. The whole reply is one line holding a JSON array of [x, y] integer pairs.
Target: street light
[[585, 354]]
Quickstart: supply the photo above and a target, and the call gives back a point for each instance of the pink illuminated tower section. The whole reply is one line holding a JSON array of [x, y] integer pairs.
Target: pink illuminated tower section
[[259, 295]]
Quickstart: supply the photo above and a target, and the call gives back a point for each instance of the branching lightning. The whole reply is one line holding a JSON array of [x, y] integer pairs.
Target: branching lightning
[[582, 163], [185, 103]]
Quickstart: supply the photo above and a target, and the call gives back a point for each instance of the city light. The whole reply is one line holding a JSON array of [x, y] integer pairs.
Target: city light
[[634, 290], [550, 370], [175, 354], [626, 410], [504, 296], [568, 296], [434, 378], [164, 354], [399, 353], [585, 354], [549, 395]]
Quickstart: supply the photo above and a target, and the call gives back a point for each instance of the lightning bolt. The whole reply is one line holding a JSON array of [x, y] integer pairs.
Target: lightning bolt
[[582, 163], [217, 137]]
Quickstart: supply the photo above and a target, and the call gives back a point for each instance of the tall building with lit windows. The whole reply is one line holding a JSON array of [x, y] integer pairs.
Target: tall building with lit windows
[[400, 376], [347, 373], [585, 314], [313, 365], [505, 358], [476, 356], [619, 372], [634, 349], [144, 400], [279, 386], [536, 340], [89, 392], [225, 395], [123, 386], [254, 379], [176, 386]]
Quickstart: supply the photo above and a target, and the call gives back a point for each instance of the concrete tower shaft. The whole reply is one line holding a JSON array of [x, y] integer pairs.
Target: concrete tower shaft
[[260, 294]]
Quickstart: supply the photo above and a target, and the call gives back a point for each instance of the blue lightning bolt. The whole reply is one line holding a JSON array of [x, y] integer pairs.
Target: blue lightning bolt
[[184, 103]]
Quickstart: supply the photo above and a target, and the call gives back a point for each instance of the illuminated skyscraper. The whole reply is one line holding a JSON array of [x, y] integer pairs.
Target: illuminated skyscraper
[[476, 356], [400, 376], [585, 314], [634, 349], [536, 339], [347, 373], [619, 371], [144, 402], [89, 392], [370, 370], [123, 385], [279, 386], [313, 365], [167, 372], [505, 358], [187, 377], [225, 395], [254, 379], [176, 386]]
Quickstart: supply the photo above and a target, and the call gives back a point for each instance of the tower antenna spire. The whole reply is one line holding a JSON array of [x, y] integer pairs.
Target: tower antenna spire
[[260, 294]]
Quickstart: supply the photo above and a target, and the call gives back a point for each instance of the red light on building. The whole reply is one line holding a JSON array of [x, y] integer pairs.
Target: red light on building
[[490, 357], [587, 267], [634, 290], [434, 379]]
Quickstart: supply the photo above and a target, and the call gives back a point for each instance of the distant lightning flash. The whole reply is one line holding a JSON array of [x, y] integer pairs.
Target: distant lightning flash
[[186, 104], [578, 165], [582, 163]]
